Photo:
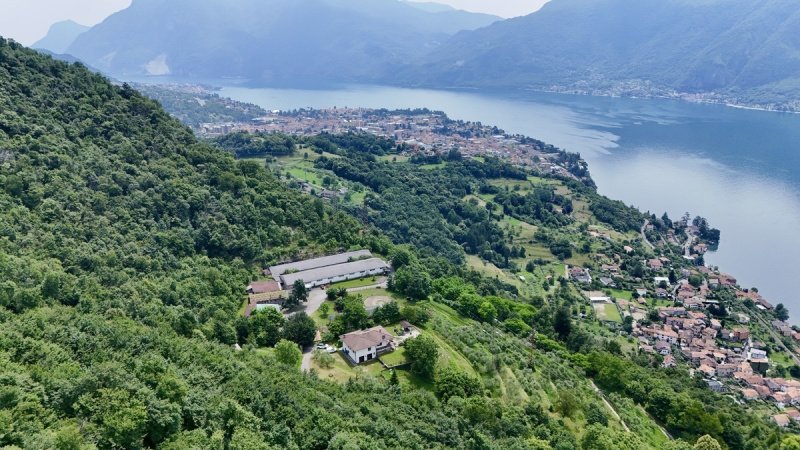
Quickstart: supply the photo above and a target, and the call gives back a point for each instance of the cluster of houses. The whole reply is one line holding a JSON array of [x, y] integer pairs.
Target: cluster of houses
[[727, 356], [426, 133], [315, 272]]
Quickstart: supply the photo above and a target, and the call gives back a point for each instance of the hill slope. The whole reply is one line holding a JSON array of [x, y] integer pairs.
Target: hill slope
[[60, 36], [689, 46], [125, 245], [276, 42]]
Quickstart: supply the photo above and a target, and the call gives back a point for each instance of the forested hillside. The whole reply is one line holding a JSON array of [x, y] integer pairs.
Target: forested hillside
[[125, 246]]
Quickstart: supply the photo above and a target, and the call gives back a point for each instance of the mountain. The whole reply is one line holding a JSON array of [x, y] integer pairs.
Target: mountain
[[683, 45], [277, 42], [431, 6], [126, 245], [60, 36]]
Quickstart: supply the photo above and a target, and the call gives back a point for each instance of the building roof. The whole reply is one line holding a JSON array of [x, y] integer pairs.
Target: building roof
[[337, 270], [323, 261], [260, 287], [268, 296], [363, 339], [781, 419]]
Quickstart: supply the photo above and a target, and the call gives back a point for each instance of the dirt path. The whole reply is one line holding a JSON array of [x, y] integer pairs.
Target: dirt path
[[609, 406], [644, 236]]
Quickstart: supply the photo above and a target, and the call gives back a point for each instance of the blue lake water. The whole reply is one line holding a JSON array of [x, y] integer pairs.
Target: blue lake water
[[736, 167]]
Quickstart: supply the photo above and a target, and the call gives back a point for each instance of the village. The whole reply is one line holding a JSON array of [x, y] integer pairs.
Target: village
[[675, 314], [422, 132]]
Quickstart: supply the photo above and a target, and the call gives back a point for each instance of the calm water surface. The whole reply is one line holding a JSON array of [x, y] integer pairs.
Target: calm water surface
[[736, 167]]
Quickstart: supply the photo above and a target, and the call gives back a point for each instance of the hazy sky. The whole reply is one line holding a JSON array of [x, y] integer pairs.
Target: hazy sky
[[27, 21], [503, 8]]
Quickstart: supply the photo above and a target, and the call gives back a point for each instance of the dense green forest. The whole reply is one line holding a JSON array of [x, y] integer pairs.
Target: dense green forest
[[125, 244], [196, 106]]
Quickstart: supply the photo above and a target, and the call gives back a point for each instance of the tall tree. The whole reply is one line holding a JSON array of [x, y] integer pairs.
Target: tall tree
[[301, 329], [423, 353]]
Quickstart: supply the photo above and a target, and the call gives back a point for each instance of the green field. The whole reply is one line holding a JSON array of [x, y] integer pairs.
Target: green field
[[432, 166], [394, 158], [306, 175], [607, 312], [624, 295], [394, 358], [361, 282]]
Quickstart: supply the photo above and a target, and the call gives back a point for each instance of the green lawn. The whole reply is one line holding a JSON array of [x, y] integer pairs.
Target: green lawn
[[361, 282], [432, 166], [624, 295], [394, 158], [357, 198], [394, 358], [306, 175], [607, 312]]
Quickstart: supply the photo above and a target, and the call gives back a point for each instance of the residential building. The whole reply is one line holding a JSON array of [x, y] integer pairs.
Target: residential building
[[365, 345]]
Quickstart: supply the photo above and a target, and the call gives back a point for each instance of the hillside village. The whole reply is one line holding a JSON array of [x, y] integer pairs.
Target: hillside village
[[422, 132], [676, 311]]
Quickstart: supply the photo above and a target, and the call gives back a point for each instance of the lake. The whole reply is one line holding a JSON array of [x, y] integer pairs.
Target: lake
[[736, 167]]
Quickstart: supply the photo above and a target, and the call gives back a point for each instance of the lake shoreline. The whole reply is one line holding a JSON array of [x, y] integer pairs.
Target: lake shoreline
[[729, 164]]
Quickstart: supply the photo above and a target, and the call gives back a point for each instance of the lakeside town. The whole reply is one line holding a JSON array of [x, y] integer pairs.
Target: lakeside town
[[676, 312], [421, 131]]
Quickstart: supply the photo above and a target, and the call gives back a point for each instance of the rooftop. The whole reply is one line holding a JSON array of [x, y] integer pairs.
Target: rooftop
[[314, 263], [364, 339], [322, 273]]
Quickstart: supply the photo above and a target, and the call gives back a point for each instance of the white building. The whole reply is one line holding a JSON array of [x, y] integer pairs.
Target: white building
[[336, 273], [364, 345], [324, 261]]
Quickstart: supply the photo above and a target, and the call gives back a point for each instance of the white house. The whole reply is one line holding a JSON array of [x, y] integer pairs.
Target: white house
[[364, 345], [658, 280]]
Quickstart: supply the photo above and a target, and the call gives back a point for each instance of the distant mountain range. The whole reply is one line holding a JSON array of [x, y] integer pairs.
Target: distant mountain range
[[60, 36], [277, 42], [684, 45], [748, 49]]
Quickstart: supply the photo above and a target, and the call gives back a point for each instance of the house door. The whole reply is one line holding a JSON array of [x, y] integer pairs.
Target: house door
[[360, 359]]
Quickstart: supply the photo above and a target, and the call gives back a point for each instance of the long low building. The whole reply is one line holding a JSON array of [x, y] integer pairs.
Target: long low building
[[335, 273], [324, 261]]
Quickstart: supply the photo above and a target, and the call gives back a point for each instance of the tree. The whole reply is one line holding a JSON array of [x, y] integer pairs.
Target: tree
[[596, 415], [415, 314], [121, 417], [301, 329], [627, 324], [781, 312], [451, 382], [299, 295], [287, 352], [423, 353], [323, 359], [402, 257], [412, 281], [517, 326], [354, 315], [393, 380], [387, 314], [562, 322], [264, 327], [707, 442], [567, 403]]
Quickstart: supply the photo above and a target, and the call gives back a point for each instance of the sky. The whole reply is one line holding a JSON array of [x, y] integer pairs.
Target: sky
[[27, 21], [502, 8]]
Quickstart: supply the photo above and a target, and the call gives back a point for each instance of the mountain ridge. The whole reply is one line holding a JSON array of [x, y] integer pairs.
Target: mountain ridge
[[60, 36]]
